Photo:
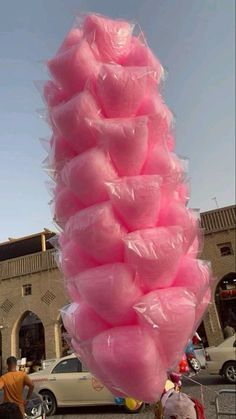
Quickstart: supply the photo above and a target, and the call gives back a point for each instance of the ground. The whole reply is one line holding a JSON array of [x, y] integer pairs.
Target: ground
[[211, 384]]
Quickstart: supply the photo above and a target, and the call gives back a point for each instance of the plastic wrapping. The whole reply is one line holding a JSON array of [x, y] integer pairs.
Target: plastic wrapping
[[130, 347], [73, 318], [155, 254], [126, 140], [193, 274], [111, 290], [136, 200], [73, 258], [86, 175], [98, 233], [109, 39], [65, 204], [121, 90], [161, 311], [129, 246], [79, 62], [71, 119]]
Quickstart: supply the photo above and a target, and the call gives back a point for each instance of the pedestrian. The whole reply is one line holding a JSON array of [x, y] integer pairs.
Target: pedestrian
[[228, 331], [13, 383], [10, 411]]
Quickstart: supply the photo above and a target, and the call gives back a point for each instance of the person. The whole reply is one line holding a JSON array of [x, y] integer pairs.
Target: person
[[13, 383], [10, 411], [228, 331]]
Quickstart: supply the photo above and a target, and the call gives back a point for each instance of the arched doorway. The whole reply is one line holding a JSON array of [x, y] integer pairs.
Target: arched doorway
[[225, 299], [31, 338]]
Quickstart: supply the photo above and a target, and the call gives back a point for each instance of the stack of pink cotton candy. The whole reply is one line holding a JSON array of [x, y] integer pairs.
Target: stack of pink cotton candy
[[129, 244]]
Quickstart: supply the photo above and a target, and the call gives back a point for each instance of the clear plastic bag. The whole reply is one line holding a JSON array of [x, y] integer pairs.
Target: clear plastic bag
[[136, 200], [86, 175], [112, 291], [129, 246], [79, 62], [155, 254], [162, 313], [121, 90], [98, 232], [71, 119], [126, 141]]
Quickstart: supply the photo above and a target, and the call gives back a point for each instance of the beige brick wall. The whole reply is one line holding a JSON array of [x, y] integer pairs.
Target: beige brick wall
[[221, 266], [43, 282]]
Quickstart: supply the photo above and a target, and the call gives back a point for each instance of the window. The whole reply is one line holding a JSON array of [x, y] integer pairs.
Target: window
[[225, 249], [67, 366], [26, 289]]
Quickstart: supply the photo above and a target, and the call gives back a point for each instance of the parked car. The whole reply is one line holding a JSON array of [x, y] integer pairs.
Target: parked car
[[221, 359], [200, 354], [67, 383]]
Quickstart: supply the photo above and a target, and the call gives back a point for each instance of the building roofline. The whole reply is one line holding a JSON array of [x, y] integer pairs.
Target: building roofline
[[218, 209], [13, 240]]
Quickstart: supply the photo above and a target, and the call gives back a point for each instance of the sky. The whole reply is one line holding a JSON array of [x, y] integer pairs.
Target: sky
[[194, 41]]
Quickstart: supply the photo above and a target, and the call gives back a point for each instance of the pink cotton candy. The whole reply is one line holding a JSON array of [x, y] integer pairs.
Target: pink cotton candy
[[111, 291], [74, 259], [121, 90], [177, 214], [75, 67], [141, 56], [136, 200], [84, 351], [194, 275], [66, 205], [126, 141], [169, 316], [153, 104], [98, 232], [53, 94], [71, 120], [86, 175], [81, 321], [60, 152], [129, 245], [109, 39], [131, 361], [72, 291], [73, 38], [161, 162], [155, 254]]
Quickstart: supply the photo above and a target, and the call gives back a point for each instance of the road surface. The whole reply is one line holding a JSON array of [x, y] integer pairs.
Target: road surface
[[210, 385]]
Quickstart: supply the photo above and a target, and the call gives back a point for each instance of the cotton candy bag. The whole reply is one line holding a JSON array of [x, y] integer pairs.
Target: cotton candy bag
[[129, 245]]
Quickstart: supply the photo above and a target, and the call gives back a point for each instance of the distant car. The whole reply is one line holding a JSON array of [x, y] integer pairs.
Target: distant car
[[66, 383], [221, 359], [200, 354]]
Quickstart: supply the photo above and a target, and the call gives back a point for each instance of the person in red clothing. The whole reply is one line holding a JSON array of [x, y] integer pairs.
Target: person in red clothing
[[13, 383]]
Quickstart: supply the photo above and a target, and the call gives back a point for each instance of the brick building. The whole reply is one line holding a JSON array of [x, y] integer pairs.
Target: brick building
[[31, 295], [31, 290]]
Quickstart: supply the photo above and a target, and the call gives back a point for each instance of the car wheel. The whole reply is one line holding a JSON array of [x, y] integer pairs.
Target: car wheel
[[50, 402], [133, 406], [229, 372], [195, 364]]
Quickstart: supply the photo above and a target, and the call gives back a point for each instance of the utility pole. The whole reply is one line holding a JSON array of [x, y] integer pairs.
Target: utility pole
[[216, 202]]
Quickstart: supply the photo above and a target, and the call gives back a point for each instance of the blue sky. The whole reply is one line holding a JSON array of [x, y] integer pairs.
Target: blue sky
[[194, 41]]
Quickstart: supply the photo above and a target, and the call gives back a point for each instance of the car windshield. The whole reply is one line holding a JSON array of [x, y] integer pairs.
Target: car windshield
[[67, 366]]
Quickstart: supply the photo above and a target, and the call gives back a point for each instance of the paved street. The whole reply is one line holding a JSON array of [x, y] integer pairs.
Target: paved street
[[212, 383]]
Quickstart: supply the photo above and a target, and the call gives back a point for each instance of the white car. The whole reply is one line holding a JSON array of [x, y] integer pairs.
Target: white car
[[221, 359], [66, 383]]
